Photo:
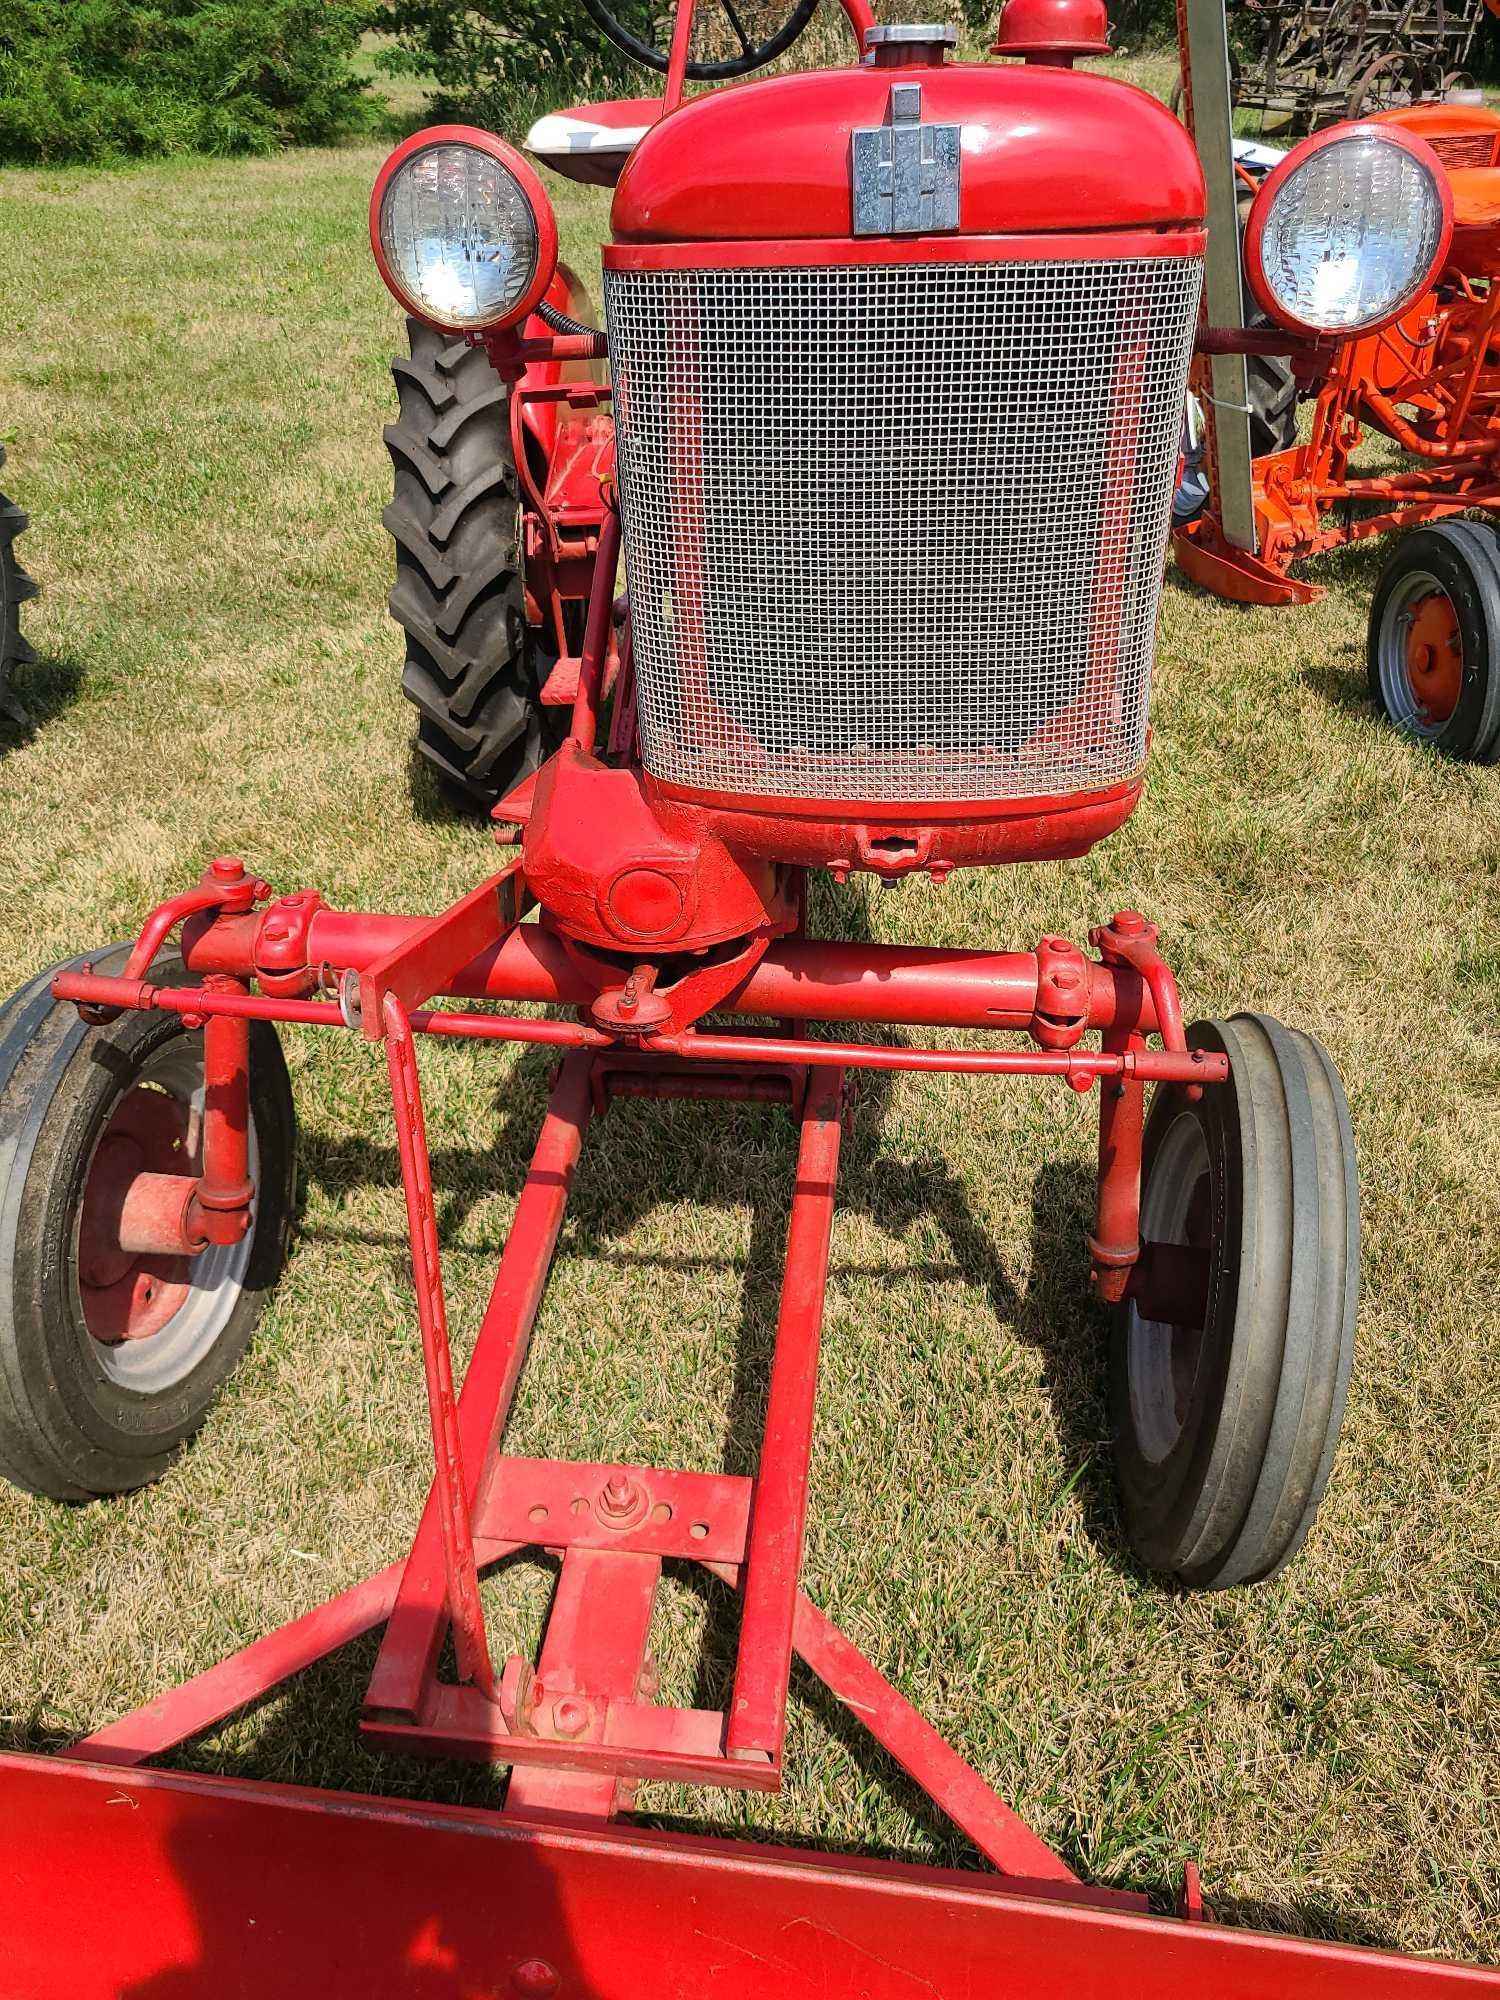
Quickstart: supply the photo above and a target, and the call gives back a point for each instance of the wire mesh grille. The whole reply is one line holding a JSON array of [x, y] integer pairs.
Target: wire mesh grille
[[895, 532], [1462, 149]]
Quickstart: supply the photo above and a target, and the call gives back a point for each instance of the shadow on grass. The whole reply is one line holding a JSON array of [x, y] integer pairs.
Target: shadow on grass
[[437, 802], [39, 691]]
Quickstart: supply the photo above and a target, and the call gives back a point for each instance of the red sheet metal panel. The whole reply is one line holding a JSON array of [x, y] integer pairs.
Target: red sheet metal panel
[[140, 1885]]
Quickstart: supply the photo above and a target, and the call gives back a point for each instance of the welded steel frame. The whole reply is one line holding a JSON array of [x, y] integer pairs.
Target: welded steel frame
[[247, 1887], [1307, 499], [548, 1895]]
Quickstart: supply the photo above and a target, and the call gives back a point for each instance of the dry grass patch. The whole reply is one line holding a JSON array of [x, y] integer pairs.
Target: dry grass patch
[[193, 375]]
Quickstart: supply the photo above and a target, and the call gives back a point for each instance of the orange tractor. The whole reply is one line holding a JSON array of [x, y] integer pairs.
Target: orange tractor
[[1425, 380]]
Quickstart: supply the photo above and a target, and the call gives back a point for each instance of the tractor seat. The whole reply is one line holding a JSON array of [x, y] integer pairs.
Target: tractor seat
[[592, 142]]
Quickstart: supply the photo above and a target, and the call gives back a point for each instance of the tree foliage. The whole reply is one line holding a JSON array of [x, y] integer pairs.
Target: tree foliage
[[95, 80], [498, 62]]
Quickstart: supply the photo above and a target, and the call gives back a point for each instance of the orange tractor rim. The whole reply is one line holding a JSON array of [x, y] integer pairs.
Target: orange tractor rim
[[1434, 655]]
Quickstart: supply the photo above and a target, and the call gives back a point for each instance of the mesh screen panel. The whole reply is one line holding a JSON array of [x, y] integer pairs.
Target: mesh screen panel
[[1463, 149], [896, 531]]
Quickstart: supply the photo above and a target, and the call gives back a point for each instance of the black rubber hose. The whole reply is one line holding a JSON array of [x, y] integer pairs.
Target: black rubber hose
[[561, 322]]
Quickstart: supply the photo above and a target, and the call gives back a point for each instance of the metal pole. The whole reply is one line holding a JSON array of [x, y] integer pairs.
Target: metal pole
[[1203, 37]]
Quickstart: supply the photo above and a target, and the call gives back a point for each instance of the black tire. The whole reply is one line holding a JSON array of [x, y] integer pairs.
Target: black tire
[[1224, 1436], [1270, 396], [1271, 393], [1270, 385], [15, 588], [460, 598], [1460, 559], [79, 1418]]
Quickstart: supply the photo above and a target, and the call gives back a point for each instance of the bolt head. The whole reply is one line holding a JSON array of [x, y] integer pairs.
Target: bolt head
[[570, 1716], [228, 868], [1129, 923], [535, 1977], [621, 1501]]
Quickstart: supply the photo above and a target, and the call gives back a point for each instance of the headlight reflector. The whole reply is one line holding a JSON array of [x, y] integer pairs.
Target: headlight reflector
[[462, 230], [1349, 229]]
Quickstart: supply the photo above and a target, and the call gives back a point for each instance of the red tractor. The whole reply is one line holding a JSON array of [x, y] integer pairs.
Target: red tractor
[[897, 364], [1420, 379]]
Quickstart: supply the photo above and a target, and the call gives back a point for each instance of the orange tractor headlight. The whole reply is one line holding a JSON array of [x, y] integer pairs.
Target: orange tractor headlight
[[1349, 230], [462, 230]]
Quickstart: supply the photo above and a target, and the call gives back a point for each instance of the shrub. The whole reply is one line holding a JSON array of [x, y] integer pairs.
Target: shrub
[[95, 80], [497, 63]]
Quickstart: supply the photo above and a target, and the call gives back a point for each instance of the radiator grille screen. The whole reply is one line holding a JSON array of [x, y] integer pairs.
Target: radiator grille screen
[[1463, 149], [896, 531]]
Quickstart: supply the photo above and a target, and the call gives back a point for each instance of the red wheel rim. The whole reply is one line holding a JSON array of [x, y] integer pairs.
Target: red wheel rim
[[129, 1297]]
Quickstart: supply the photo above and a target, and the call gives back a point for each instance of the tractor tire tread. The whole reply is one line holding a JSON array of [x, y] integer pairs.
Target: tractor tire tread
[[1234, 1498], [459, 593]]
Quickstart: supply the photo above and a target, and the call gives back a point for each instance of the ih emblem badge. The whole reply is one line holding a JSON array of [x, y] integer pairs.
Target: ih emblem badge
[[905, 173]]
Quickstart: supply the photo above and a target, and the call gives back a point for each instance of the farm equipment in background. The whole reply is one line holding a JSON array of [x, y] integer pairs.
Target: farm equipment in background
[[1417, 370], [897, 359], [1311, 63], [15, 588]]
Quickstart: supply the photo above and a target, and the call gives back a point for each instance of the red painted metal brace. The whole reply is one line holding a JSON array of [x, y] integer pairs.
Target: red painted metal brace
[[582, 1726], [546, 1897]]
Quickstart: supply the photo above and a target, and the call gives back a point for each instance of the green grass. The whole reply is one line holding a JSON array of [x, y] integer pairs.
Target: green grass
[[193, 380]]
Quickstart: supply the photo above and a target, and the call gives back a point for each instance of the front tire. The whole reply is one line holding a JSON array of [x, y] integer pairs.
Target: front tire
[[460, 592], [1432, 652], [108, 1363], [1226, 1403]]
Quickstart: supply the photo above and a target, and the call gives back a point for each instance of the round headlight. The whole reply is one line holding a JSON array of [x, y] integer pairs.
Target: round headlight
[[462, 230], [1350, 228]]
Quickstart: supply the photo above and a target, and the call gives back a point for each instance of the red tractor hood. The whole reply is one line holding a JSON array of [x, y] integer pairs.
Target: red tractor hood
[[1043, 150]]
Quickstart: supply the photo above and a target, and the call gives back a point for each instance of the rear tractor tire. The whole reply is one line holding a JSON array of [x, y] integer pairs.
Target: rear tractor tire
[[1226, 1402], [1433, 649], [110, 1361], [471, 668], [15, 588]]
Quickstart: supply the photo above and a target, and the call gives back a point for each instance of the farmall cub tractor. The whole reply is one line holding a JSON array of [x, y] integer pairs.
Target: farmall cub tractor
[[897, 363]]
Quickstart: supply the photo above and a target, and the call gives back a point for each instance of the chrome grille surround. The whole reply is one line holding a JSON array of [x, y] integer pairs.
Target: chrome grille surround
[[894, 531]]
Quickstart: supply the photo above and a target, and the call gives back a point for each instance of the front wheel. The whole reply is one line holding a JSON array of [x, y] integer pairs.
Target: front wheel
[[1231, 1353], [109, 1361], [1433, 648]]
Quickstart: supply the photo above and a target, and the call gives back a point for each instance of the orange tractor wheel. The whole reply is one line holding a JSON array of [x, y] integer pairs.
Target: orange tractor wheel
[[1434, 641]]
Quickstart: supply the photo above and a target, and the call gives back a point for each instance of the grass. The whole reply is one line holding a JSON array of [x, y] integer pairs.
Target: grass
[[193, 378]]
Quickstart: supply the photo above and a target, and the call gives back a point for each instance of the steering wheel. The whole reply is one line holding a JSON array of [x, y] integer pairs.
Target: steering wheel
[[749, 33]]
